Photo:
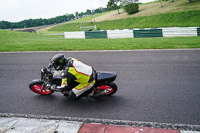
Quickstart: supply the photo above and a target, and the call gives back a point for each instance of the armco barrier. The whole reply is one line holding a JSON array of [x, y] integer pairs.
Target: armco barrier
[[198, 31], [96, 34], [135, 33], [179, 31], [120, 33], [148, 33], [73, 35]]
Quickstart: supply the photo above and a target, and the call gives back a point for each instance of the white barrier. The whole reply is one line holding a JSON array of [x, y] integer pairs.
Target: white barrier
[[72, 35], [129, 33], [179, 31], [120, 33]]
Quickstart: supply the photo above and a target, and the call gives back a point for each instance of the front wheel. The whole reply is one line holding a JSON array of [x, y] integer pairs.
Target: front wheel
[[36, 87], [111, 87]]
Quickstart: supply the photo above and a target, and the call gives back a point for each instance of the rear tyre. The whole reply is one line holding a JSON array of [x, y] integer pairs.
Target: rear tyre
[[111, 87], [36, 87], [114, 88]]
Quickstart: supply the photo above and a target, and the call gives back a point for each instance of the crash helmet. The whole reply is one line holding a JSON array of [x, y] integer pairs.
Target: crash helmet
[[58, 61]]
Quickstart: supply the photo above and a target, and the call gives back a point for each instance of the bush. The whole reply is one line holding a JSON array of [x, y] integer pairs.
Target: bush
[[131, 8]]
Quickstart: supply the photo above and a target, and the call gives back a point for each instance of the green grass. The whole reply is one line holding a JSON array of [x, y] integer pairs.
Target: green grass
[[175, 19], [20, 41]]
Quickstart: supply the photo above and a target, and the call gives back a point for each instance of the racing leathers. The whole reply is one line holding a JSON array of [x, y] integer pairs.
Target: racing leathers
[[77, 78]]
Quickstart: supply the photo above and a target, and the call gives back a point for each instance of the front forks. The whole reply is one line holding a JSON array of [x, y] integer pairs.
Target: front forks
[[43, 85], [47, 85]]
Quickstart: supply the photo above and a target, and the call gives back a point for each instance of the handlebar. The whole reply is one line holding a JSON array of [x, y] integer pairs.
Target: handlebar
[[46, 75]]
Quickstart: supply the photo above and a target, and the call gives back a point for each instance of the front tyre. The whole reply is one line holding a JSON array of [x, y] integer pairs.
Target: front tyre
[[36, 87]]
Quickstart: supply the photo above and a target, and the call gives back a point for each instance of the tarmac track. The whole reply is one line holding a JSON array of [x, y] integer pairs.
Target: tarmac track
[[154, 86]]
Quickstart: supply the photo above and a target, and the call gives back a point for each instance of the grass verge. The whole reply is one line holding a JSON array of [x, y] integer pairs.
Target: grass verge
[[19, 41], [176, 19], [153, 8]]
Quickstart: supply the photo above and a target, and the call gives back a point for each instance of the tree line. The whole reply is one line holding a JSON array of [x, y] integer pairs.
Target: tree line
[[50, 21], [129, 6]]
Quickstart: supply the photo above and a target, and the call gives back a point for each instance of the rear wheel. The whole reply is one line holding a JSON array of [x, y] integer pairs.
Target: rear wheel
[[37, 86], [111, 87]]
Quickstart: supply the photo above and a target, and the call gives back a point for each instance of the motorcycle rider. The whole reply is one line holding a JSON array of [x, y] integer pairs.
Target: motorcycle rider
[[77, 77]]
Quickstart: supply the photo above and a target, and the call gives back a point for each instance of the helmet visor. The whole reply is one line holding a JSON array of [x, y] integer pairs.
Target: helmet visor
[[58, 64]]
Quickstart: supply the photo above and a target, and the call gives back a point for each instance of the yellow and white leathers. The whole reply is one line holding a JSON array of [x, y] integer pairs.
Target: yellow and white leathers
[[80, 73]]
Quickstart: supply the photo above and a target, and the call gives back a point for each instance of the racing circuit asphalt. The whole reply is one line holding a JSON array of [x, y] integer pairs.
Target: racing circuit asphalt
[[153, 86]]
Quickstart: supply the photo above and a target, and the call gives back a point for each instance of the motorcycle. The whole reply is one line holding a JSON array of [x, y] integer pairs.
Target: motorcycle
[[104, 85]]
